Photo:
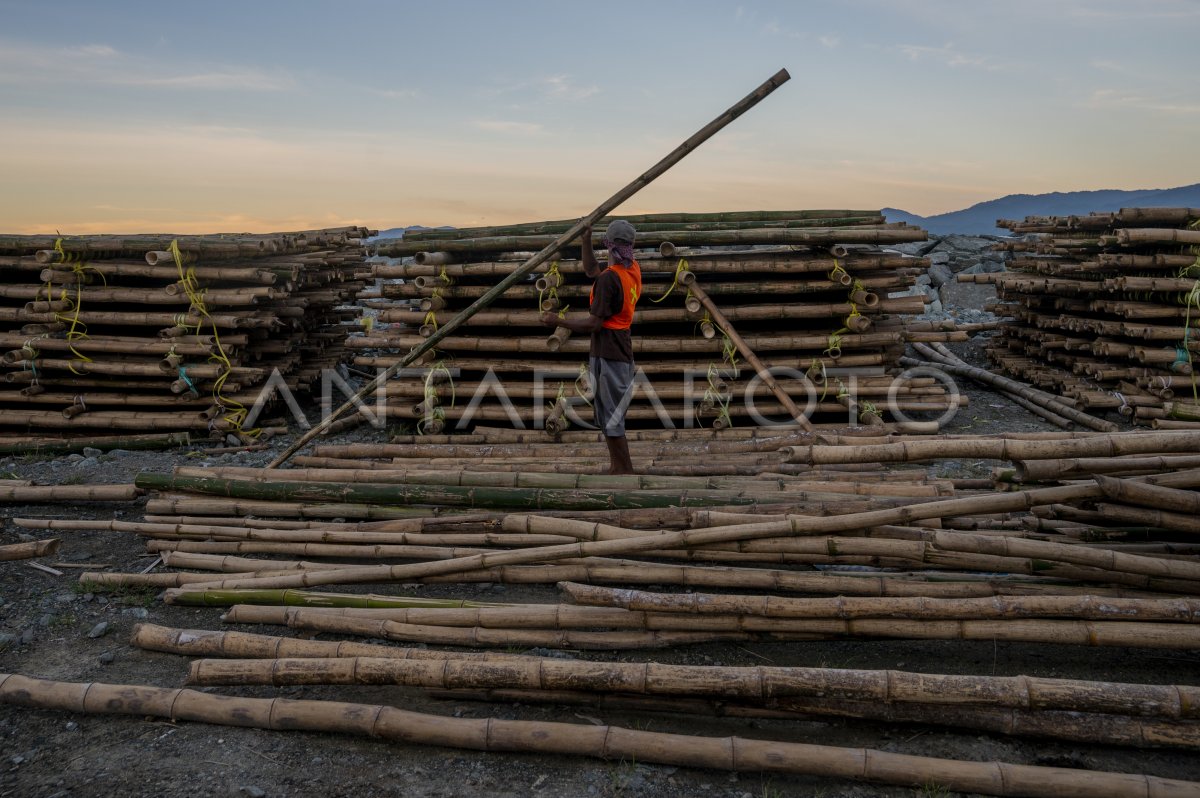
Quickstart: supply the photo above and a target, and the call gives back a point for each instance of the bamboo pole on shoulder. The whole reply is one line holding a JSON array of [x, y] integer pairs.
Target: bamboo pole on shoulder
[[605, 742], [573, 232]]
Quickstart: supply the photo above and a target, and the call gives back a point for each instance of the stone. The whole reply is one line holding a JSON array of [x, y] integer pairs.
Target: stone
[[939, 257], [74, 458], [99, 630], [6, 638], [87, 462], [252, 791], [140, 613], [45, 620], [118, 452], [92, 451], [940, 274], [107, 658], [26, 637]]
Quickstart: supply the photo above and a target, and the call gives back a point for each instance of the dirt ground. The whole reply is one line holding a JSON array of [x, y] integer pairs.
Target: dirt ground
[[45, 621]]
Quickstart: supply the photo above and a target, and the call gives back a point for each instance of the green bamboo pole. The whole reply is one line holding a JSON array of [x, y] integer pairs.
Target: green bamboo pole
[[468, 496], [697, 221]]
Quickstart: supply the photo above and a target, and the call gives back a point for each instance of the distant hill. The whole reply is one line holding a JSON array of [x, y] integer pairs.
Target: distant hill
[[981, 219], [398, 232]]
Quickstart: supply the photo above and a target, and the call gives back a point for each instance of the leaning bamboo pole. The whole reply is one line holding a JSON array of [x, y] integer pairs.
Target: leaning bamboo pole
[[604, 741], [760, 368], [545, 254]]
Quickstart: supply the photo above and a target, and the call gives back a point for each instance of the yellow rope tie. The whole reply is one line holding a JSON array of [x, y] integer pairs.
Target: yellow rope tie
[[705, 318], [834, 342], [729, 353], [431, 391], [187, 278], [853, 314], [552, 292], [680, 268], [819, 364], [838, 270], [431, 318], [562, 314], [583, 372], [865, 407]]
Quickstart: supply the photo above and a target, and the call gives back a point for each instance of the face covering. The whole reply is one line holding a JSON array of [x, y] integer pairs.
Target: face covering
[[619, 252]]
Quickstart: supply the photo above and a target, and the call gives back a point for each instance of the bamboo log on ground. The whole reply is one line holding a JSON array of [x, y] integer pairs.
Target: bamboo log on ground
[[480, 637], [530, 498], [765, 684], [1078, 607], [607, 742], [41, 446], [28, 550], [68, 493], [1076, 727], [636, 633], [1115, 444], [798, 525]]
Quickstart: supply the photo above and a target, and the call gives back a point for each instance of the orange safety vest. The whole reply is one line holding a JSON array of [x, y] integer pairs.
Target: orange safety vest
[[631, 289]]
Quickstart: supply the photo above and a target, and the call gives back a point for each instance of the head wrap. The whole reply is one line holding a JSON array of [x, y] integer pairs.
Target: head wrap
[[619, 238]]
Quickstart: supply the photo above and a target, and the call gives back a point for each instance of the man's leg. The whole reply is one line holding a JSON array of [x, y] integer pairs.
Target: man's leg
[[618, 455]]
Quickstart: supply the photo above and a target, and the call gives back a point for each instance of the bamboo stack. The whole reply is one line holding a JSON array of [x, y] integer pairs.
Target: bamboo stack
[[813, 291], [167, 333], [1105, 309]]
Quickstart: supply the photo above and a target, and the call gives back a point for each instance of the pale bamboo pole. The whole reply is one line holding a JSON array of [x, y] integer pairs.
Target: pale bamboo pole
[[607, 742], [1004, 502], [635, 634], [1116, 444], [765, 683], [1073, 726], [573, 232], [69, 493], [1079, 607], [28, 550]]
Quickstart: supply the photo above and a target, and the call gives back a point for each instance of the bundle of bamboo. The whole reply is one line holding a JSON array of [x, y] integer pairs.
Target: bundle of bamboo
[[808, 291], [164, 333], [1104, 307]]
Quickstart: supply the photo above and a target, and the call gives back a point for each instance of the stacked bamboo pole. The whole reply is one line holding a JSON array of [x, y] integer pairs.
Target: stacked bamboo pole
[[1105, 309], [166, 333], [809, 291]]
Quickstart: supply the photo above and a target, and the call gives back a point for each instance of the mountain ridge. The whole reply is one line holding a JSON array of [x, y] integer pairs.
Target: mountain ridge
[[980, 218]]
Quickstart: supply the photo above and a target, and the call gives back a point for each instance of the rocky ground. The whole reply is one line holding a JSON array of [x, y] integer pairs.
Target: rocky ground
[[53, 627]]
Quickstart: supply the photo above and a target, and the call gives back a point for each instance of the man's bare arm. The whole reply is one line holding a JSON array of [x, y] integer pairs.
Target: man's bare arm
[[588, 256]]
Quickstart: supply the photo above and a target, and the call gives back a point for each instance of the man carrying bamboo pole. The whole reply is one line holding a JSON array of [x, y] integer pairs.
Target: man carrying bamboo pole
[[610, 363]]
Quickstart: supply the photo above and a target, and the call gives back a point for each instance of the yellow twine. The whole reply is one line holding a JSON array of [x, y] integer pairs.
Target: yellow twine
[[431, 318], [553, 290], [816, 364], [680, 268], [187, 278], [583, 372], [430, 391], [836, 273]]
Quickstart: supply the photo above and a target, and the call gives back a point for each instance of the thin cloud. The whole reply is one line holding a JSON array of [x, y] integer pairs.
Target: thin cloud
[[395, 94], [1116, 99], [829, 41], [947, 55], [100, 64], [510, 127], [561, 87]]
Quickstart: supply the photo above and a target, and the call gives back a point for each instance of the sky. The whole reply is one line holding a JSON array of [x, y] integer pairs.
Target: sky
[[271, 115]]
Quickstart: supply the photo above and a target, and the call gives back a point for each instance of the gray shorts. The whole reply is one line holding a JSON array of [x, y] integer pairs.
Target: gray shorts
[[612, 382]]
